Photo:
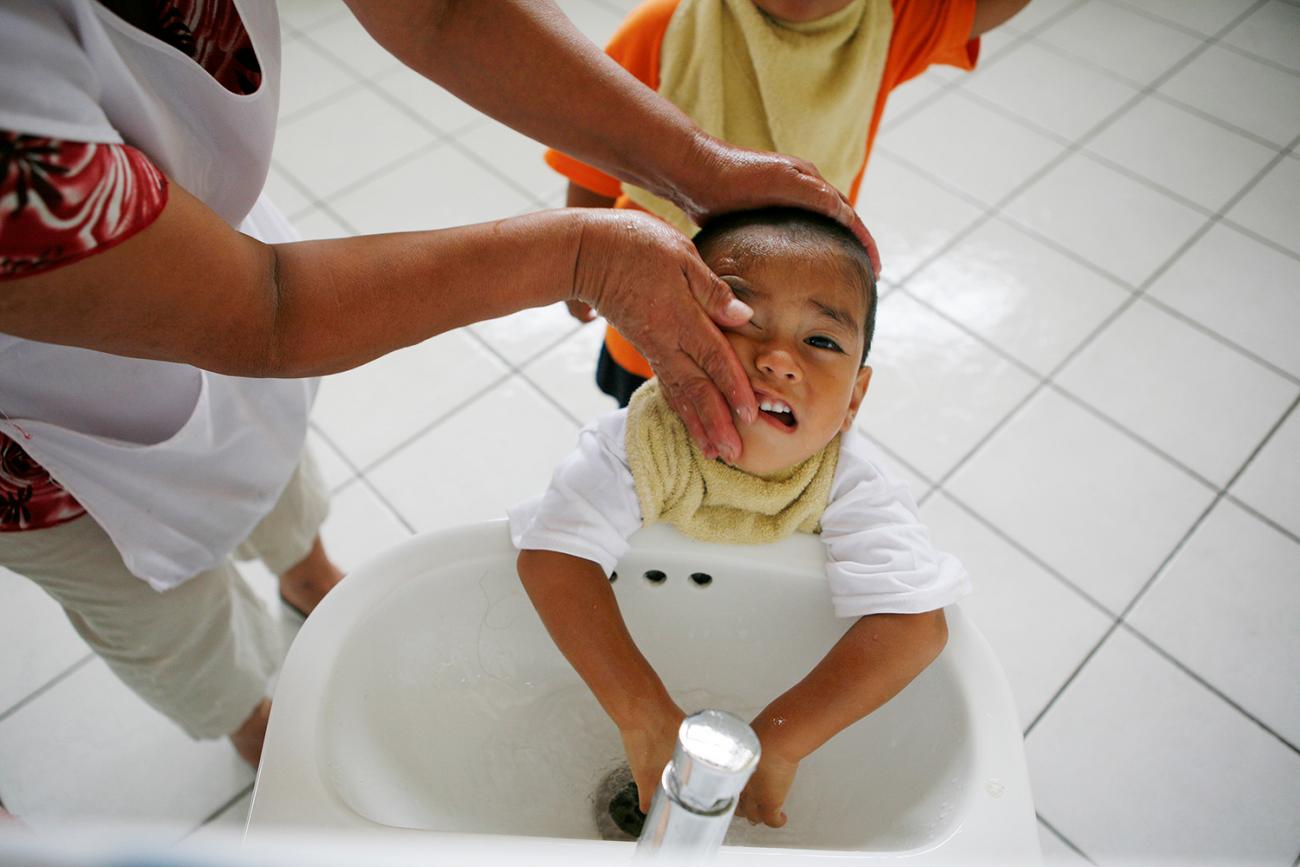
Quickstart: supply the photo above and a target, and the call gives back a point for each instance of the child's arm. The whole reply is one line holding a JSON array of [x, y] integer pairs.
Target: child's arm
[[577, 606], [876, 658]]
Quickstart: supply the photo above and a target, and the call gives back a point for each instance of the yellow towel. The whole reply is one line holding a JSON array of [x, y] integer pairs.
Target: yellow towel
[[708, 500], [805, 89]]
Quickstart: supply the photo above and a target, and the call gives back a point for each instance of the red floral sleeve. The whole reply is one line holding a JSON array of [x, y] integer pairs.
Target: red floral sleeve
[[61, 201], [29, 498], [210, 31]]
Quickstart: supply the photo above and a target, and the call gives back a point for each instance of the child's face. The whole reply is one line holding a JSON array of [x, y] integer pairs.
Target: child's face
[[802, 349], [801, 10]]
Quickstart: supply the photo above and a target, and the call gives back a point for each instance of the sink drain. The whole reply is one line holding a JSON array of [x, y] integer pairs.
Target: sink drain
[[617, 806]]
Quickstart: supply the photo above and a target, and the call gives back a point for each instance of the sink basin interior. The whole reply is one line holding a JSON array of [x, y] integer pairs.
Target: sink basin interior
[[450, 709]]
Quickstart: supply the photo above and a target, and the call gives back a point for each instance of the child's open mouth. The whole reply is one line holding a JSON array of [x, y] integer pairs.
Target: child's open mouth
[[777, 413]]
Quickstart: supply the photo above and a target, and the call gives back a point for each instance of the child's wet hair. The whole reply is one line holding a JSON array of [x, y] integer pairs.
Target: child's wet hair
[[798, 225]]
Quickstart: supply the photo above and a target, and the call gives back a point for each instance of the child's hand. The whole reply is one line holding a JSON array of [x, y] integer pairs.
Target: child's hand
[[765, 794], [649, 746]]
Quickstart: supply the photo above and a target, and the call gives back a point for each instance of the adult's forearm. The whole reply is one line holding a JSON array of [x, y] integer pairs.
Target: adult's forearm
[[869, 665], [190, 289], [344, 302], [524, 63]]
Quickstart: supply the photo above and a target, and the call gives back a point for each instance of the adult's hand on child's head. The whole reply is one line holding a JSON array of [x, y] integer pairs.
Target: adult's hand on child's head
[[648, 280], [719, 177]]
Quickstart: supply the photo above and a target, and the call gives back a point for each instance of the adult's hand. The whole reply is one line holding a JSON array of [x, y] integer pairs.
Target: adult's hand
[[716, 177], [651, 284], [616, 124]]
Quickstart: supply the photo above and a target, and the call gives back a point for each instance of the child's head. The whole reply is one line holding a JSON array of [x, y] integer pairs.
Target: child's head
[[813, 292], [801, 10]]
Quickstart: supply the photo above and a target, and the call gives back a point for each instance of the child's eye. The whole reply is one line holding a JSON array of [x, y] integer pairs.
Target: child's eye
[[823, 342]]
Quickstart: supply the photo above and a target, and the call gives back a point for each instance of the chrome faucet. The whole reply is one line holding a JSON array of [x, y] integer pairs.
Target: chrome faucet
[[715, 755]]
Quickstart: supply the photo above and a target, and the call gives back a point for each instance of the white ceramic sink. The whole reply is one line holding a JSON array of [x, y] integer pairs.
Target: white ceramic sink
[[425, 695]]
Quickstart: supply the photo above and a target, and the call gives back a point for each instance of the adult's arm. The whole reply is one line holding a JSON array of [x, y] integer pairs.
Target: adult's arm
[[994, 13], [189, 288], [523, 62], [581, 197]]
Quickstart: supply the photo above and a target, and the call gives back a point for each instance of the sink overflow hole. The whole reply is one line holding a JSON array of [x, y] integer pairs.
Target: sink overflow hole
[[613, 576], [654, 576], [703, 579]]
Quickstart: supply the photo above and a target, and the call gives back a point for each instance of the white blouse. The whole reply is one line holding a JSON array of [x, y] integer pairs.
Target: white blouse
[[177, 464], [879, 558]]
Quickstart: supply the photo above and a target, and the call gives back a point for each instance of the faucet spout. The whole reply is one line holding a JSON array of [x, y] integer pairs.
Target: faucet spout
[[715, 755]]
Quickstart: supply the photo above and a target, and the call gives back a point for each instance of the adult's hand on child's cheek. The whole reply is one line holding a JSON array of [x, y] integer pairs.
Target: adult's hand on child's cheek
[[721, 177], [765, 794], [649, 746], [648, 280]]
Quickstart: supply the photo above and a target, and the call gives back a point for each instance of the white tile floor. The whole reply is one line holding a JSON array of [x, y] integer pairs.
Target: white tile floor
[[1087, 370]]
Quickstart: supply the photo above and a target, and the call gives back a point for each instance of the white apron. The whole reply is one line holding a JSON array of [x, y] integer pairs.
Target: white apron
[[177, 464]]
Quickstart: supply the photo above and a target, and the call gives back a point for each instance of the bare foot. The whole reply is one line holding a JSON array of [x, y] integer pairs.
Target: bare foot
[[306, 582], [248, 738]]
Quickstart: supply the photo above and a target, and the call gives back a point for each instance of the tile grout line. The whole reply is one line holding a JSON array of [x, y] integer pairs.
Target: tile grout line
[[419, 432], [356, 83], [1032, 557], [444, 136], [367, 483], [1050, 379], [1134, 293], [1214, 119], [1178, 253], [47, 686], [329, 441], [376, 174], [1153, 16], [998, 207], [953, 84], [959, 85], [1122, 619], [1260, 59], [1153, 645], [546, 396], [1220, 493], [211, 817], [513, 371], [474, 157], [532, 357], [1223, 340], [1064, 839], [1265, 519], [441, 136]]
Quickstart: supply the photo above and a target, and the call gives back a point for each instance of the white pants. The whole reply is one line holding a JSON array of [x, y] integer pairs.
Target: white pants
[[203, 652]]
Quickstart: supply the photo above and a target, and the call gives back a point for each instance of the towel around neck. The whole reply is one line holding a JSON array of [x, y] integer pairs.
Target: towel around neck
[[709, 500]]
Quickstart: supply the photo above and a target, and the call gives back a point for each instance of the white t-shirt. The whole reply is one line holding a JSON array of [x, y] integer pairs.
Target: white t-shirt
[[879, 558], [176, 463]]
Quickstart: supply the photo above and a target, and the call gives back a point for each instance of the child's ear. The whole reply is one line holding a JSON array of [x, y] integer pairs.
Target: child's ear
[[855, 401]]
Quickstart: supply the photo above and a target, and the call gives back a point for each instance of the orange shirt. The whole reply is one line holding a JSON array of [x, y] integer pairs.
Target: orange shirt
[[925, 32]]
